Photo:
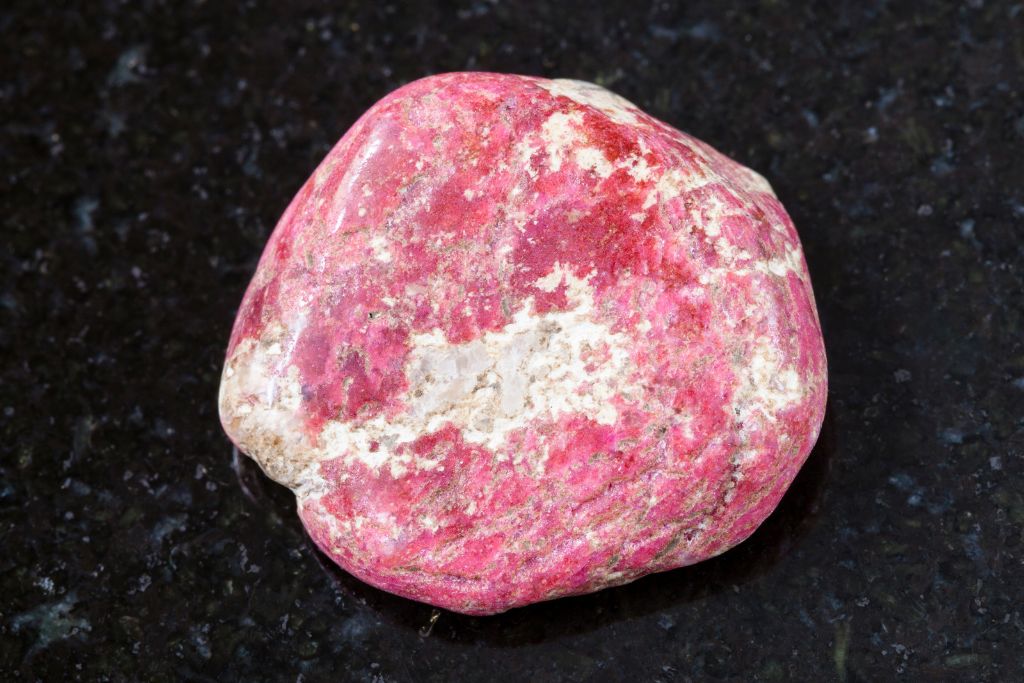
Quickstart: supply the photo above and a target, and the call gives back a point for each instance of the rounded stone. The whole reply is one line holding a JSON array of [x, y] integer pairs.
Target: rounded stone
[[516, 339]]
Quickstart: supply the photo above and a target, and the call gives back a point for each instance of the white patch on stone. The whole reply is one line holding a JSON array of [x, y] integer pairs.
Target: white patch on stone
[[593, 159], [260, 405], [639, 169], [674, 183], [791, 262], [730, 253], [550, 282], [755, 182], [534, 368], [685, 420], [522, 154], [380, 251], [559, 133], [770, 385], [740, 263], [615, 107]]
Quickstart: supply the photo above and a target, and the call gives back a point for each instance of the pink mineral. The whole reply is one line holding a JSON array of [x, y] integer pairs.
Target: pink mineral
[[516, 339]]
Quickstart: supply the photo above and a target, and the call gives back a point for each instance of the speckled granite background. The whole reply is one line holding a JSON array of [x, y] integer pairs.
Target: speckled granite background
[[149, 147]]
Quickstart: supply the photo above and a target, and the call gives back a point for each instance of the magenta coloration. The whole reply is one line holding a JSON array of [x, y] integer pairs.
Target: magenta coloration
[[516, 339]]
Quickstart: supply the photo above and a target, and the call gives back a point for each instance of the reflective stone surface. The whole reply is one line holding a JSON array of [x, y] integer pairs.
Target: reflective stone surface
[[150, 148]]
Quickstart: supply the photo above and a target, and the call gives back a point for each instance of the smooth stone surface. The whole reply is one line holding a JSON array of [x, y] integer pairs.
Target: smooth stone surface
[[515, 339], [150, 149]]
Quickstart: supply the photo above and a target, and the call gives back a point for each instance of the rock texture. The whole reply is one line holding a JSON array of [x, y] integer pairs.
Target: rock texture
[[516, 339]]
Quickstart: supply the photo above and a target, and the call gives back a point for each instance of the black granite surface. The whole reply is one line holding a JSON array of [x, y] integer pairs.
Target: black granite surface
[[147, 150]]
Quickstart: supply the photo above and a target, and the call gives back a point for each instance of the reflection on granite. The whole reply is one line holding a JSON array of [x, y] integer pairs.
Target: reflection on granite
[[150, 148]]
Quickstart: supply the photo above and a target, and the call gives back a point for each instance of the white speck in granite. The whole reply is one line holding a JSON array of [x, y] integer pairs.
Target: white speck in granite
[[52, 621], [46, 583], [952, 436]]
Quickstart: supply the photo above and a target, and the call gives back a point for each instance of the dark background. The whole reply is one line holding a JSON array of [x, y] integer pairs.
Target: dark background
[[148, 149]]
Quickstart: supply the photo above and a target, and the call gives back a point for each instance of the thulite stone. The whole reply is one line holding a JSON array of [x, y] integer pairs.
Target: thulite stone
[[516, 339]]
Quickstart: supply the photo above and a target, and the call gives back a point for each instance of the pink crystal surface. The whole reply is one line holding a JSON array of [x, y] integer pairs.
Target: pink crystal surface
[[516, 339]]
